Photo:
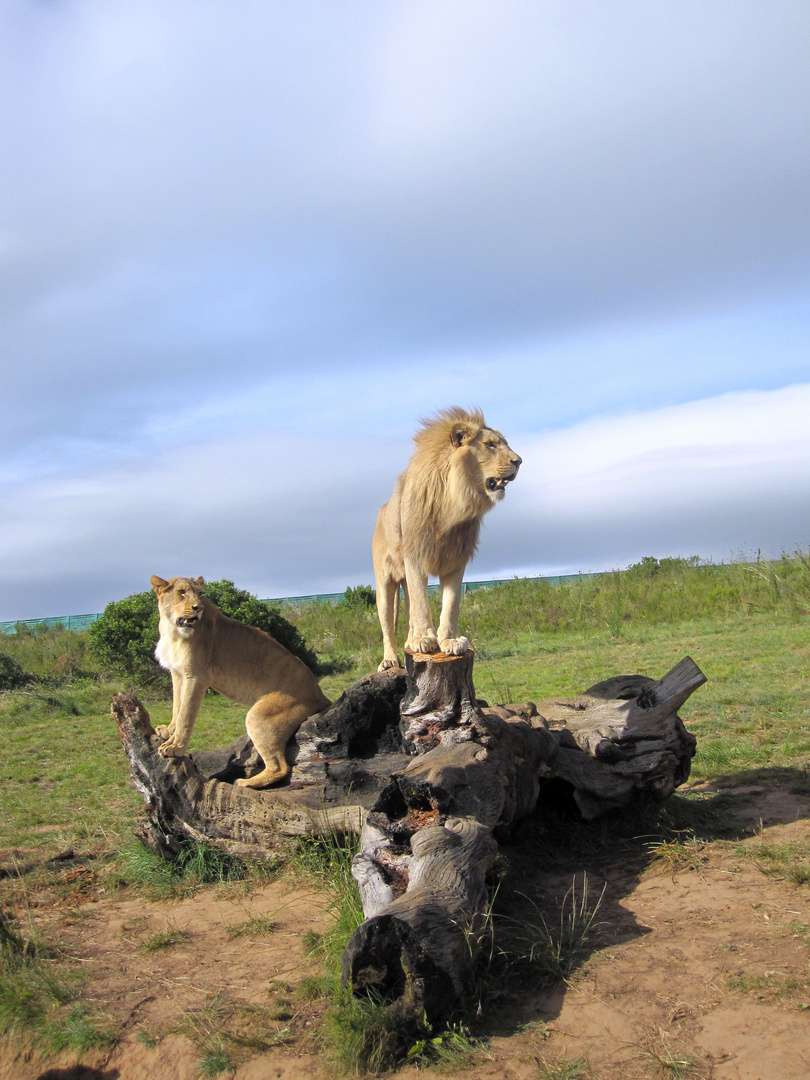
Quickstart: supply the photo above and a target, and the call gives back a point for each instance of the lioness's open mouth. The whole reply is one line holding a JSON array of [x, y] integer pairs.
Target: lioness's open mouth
[[187, 620]]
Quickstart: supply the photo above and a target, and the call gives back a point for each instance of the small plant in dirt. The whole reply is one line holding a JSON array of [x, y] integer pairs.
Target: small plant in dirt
[[557, 1069], [166, 939], [256, 926], [675, 855], [450, 1050], [227, 1032], [82, 1029]]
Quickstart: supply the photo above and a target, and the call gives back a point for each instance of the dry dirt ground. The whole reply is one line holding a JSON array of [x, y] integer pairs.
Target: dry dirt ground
[[702, 971]]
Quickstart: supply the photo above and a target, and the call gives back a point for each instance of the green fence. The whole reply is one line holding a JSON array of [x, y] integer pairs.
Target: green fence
[[81, 622]]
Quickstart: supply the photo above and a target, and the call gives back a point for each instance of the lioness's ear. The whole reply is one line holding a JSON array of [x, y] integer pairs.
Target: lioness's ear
[[200, 583], [459, 434], [158, 584]]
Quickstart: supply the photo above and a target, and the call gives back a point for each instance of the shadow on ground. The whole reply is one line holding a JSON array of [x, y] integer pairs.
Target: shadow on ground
[[553, 869]]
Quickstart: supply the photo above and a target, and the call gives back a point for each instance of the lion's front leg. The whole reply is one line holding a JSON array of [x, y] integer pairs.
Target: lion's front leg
[[449, 640], [421, 633]]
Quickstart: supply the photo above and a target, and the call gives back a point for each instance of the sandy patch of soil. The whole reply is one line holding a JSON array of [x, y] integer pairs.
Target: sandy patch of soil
[[701, 972]]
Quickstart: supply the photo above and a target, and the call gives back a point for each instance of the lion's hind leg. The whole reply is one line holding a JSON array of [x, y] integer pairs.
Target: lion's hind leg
[[271, 723], [388, 613]]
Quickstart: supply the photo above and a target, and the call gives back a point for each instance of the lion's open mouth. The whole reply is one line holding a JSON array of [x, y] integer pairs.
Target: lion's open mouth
[[187, 620], [495, 483]]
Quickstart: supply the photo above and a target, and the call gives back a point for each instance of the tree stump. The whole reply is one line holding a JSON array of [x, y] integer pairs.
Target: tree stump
[[430, 777]]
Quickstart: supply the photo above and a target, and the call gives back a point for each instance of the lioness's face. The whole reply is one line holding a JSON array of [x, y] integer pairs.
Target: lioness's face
[[498, 461], [180, 601]]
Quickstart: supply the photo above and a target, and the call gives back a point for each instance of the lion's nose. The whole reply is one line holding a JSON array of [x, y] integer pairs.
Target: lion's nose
[[517, 461]]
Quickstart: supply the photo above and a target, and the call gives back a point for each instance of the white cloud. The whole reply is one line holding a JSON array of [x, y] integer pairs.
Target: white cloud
[[282, 515], [248, 247]]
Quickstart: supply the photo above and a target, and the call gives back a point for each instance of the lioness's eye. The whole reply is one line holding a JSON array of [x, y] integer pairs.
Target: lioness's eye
[[491, 445]]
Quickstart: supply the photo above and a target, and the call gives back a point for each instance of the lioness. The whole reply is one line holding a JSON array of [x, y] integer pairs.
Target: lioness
[[201, 647], [459, 470]]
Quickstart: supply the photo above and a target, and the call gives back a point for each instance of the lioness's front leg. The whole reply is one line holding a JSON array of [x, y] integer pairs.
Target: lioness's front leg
[[191, 694], [421, 633], [449, 640], [167, 730]]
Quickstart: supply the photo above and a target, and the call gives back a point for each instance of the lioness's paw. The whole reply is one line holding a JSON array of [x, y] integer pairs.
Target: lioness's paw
[[455, 646], [262, 779], [424, 643], [386, 665], [163, 731]]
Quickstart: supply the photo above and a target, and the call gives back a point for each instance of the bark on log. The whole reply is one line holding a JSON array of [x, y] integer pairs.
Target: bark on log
[[618, 742], [430, 818], [330, 790]]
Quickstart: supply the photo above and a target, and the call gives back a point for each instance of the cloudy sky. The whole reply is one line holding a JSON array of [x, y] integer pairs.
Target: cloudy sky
[[245, 247]]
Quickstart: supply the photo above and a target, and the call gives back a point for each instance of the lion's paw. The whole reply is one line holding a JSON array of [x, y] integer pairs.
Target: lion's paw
[[424, 643], [162, 730], [171, 749], [455, 646], [386, 665]]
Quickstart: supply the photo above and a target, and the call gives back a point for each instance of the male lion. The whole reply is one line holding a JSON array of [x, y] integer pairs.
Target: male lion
[[201, 647], [459, 470]]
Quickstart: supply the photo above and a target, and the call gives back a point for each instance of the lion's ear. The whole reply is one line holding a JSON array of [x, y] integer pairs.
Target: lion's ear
[[459, 434], [200, 583], [158, 584]]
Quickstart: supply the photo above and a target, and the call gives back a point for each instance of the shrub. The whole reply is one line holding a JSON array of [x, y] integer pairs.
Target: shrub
[[125, 636], [12, 675], [361, 596]]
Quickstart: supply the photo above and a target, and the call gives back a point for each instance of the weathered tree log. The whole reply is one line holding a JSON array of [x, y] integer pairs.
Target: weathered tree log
[[430, 818], [619, 741], [341, 758]]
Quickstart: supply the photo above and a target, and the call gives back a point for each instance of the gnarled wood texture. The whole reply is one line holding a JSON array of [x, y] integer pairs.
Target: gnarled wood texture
[[430, 776]]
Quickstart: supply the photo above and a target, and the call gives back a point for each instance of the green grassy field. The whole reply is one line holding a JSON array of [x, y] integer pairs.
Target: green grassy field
[[65, 784], [66, 780]]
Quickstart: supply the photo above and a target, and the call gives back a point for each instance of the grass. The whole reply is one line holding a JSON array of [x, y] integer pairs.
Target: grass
[[39, 1000], [554, 953], [166, 939], [256, 926], [549, 1069], [64, 786]]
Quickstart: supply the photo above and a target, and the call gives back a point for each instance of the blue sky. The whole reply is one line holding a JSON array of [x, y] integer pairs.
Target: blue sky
[[245, 248]]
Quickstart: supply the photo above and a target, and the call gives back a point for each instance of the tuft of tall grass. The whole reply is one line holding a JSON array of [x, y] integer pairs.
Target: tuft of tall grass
[[542, 953], [327, 862], [198, 864]]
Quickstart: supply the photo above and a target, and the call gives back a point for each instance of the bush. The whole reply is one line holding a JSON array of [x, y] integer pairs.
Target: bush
[[125, 636], [12, 675], [362, 596]]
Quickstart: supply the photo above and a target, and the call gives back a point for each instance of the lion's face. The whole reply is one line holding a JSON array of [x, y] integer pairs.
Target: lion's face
[[180, 601], [497, 461]]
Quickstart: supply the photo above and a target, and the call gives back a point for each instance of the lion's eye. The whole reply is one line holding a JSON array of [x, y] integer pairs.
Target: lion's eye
[[181, 592], [491, 445]]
